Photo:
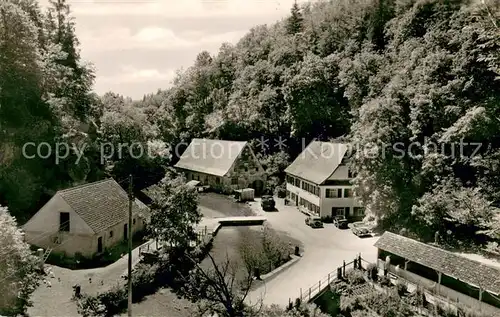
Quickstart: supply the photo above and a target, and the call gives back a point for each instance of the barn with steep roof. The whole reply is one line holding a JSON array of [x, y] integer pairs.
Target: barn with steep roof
[[85, 219]]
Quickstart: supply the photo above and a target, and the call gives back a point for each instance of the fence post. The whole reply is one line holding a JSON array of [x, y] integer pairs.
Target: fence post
[[319, 286], [328, 278], [309, 293], [343, 271]]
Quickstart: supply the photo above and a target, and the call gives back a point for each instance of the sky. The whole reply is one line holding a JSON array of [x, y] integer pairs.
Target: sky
[[137, 46]]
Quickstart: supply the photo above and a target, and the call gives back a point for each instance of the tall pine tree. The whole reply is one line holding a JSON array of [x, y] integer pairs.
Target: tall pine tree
[[294, 22]]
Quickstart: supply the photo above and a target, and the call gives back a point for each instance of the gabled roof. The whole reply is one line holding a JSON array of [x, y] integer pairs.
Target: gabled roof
[[459, 267], [101, 204], [318, 161], [214, 157]]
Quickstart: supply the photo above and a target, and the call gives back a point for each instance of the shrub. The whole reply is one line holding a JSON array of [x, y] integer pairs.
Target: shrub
[[143, 281], [114, 300], [401, 288], [280, 191], [417, 298], [385, 281], [298, 303], [90, 306], [265, 250], [372, 270], [355, 277], [327, 219]]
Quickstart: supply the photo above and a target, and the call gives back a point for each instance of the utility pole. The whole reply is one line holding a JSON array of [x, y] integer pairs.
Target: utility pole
[[129, 280]]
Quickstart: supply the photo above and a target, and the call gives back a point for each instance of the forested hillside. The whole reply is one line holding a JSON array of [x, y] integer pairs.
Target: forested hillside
[[46, 96], [390, 73], [384, 72]]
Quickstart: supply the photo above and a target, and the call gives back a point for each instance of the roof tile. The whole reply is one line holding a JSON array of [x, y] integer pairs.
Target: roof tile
[[459, 267], [318, 161], [213, 157], [101, 204]]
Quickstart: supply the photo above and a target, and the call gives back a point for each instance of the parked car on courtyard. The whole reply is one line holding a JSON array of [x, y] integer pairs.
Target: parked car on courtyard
[[268, 203], [198, 185], [314, 222], [361, 229], [340, 222]]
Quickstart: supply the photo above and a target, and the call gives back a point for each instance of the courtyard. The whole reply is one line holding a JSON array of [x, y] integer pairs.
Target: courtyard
[[322, 251]]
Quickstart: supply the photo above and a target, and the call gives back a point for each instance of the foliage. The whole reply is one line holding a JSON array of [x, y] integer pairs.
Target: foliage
[[355, 277], [411, 84], [218, 288], [463, 211], [372, 270], [371, 71], [265, 250], [175, 214], [303, 310], [45, 97], [19, 270]]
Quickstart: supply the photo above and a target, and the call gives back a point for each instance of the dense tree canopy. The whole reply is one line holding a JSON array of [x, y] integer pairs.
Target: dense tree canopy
[[19, 269], [405, 81]]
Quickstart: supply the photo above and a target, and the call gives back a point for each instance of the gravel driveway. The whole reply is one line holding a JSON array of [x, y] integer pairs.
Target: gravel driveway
[[56, 300], [324, 250]]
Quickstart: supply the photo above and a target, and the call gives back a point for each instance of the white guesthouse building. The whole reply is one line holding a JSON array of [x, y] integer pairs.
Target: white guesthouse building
[[319, 182]]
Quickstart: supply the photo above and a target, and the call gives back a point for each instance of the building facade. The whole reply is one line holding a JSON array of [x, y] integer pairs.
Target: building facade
[[85, 220], [452, 277], [319, 182], [223, 165]]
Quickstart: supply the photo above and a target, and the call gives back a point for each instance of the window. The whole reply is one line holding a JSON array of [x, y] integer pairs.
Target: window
[[359, 211], [234, 181], [111, 234], [334, 193], [297, 182], [198, 177], [217, 180], [347, 192], [64, 221], [336, 211]]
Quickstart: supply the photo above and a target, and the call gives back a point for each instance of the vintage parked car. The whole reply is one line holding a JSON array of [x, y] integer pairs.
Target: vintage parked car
[[268, 203], [198, 185], [361, 229], [340, 222], [314, 222]]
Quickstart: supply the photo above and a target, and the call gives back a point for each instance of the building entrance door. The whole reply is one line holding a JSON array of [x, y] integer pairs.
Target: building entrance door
[[99, 245]]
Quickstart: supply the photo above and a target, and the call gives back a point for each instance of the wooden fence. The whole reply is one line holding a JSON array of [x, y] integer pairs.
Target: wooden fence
[[308, 294]]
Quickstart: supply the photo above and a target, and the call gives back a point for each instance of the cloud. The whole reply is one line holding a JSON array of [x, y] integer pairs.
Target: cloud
[[150, 38], [130, 74], [184, 8]]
